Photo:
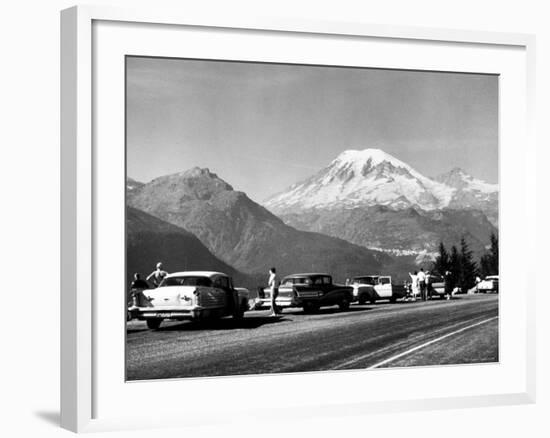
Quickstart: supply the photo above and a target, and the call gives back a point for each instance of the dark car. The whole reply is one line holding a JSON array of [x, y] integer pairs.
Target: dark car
[[310, 291]]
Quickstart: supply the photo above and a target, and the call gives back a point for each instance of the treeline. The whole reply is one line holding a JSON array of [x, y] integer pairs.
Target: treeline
[[462, 266]]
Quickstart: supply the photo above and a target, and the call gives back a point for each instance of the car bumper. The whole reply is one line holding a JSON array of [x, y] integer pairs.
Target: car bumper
[[142, 313], [265, 303]]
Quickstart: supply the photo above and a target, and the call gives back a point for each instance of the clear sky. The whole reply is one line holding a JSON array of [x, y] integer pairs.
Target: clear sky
[[263, 127]]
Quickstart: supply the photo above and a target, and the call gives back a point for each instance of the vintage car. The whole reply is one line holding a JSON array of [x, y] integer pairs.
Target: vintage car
[[489, 284], [371, 288], [193, 295], [436, 285], [308, 291]]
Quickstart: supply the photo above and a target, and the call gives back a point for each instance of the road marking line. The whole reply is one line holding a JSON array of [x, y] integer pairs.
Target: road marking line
[[418, 347]]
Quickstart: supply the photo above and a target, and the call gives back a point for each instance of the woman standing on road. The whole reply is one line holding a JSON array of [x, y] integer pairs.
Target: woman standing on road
[[273, 287], [414, 284]]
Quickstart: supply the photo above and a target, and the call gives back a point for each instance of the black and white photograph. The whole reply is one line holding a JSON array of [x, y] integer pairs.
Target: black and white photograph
[[288, 218]]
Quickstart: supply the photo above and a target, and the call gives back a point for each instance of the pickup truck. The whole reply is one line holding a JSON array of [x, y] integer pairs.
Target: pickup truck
[[193, 295], [310, 291], [489, 284], [371, 288]]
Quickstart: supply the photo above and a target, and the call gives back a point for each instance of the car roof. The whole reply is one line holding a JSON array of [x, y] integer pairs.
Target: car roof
[[309, 274], [208, 274]]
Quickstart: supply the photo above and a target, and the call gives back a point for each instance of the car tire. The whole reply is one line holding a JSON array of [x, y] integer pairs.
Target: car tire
[[311, 308], [393, 300], [344, 304], [362, 299], [154, 323], [239, 312], [372, 299]]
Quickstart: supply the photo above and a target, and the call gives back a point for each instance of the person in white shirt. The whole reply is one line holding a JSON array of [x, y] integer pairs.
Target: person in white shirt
[[157, 275], [273, 285], [422, 283], [414, 285]]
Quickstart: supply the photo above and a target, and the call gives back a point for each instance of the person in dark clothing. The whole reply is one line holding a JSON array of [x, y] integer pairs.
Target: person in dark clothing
[[422, 284], [448, 279], [136, 290], [429, 285]]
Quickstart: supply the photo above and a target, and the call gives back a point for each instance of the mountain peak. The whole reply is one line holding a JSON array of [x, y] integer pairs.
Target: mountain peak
[[365, 177], [460, 179], [197, 172], [196, 177], [374, 155]]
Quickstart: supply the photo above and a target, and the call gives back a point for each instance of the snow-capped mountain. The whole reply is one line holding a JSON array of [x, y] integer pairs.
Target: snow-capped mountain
[[373, 177], [460, 180], [364, 178], [471, 193]]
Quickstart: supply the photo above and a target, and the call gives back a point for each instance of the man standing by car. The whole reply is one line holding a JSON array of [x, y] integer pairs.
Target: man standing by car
[[157, 275], [136, 290], [429, 285], [448, 284], [272, 283], [422, 283]]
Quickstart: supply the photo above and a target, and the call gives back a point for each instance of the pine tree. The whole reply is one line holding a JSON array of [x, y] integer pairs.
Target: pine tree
[[454, 267], [489, 262], [494, 254], [468, 267], [441, 262]]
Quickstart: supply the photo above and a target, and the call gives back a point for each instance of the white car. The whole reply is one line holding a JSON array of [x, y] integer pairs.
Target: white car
[[194, 295], [490, 284], [375, 287]]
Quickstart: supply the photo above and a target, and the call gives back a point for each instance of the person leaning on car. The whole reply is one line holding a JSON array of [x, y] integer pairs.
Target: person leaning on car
[[157, 275]]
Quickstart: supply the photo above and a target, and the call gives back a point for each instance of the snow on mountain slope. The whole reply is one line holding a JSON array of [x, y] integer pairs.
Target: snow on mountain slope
[[472, 193], [460, 180], [365, 178]]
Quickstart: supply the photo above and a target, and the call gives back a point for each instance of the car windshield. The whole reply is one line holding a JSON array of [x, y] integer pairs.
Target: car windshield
[[186, 281], [362, 280], [289, 281]]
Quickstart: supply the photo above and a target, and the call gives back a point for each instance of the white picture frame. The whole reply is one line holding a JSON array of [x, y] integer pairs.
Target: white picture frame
[[82, 369]]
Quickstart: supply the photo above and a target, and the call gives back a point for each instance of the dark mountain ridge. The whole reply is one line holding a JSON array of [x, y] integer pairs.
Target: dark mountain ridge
[[246, 235]]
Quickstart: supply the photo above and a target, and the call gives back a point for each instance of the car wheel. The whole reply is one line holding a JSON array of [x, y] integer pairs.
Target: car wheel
[[372, 300], [239, 312], [362, 299], [154, 323], [344, 304], [311, 308], [393, 300]]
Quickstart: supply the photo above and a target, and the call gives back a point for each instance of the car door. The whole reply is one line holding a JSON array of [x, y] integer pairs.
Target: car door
[[326, 287], [384, 288]]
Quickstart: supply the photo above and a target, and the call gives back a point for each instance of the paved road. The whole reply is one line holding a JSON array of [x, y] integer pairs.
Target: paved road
[[463, 330]]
